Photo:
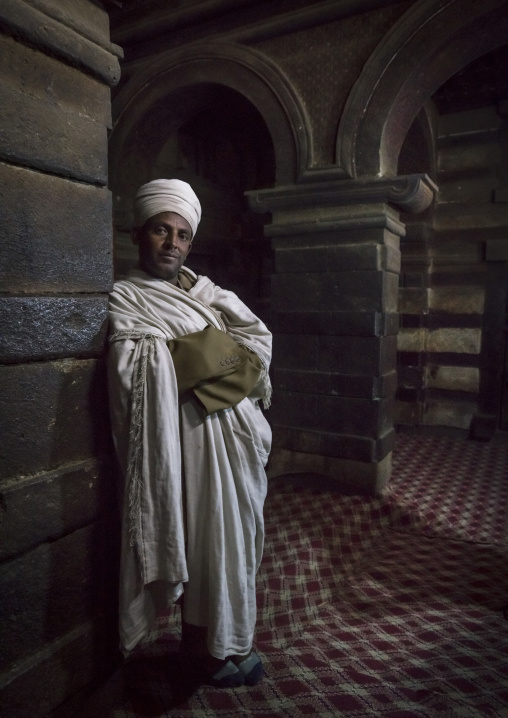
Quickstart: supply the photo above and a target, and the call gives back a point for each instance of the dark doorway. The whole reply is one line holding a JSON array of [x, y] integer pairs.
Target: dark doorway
[[215, 139]]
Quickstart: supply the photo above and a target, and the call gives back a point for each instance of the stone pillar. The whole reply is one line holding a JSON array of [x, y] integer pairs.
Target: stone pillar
[[334, 302], [57, 502], [413, 323]]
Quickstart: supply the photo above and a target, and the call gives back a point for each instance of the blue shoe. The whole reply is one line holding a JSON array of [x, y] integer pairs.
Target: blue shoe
[[251, 669]]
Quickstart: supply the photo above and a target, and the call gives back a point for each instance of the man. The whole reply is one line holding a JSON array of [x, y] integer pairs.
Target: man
[[192, 451]]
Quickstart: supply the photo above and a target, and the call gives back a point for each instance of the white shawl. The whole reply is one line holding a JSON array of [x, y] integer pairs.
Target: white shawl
[[219, 507]]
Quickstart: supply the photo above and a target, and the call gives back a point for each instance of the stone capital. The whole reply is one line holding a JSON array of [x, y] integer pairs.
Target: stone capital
[[408, 193]]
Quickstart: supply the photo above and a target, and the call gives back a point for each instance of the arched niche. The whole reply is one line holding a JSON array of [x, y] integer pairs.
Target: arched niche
[[239, 68], [208, 117], [432, 41]]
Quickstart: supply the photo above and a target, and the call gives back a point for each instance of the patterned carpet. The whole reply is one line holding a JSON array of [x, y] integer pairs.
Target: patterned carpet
[[389, 606]]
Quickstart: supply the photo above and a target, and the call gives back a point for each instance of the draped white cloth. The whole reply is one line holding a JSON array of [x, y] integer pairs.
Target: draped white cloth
[[194, 486]]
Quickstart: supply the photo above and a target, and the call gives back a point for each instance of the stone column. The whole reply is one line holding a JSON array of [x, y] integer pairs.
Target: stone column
[[334, 302]]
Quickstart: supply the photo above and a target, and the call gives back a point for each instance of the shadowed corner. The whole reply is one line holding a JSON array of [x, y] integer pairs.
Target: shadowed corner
[[156, 684]]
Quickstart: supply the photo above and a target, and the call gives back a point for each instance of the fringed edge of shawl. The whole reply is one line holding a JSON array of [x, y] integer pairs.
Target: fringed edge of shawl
[[267, 398], [134, 476]]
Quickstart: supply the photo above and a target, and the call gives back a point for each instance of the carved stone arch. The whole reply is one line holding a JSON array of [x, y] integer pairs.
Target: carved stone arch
[[431, 42], [242, 69]]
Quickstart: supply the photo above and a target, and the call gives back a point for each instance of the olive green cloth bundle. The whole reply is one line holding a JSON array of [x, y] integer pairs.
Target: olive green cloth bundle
[[217, 370]]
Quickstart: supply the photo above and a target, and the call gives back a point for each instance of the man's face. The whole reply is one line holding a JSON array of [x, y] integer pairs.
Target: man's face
[[164, 242]]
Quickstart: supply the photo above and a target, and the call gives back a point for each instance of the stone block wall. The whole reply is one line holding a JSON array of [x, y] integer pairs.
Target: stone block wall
[[453, 283], [467, 219], [58, 518]]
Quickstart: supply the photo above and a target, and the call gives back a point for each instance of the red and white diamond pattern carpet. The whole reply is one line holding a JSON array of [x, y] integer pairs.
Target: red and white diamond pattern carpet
[[387, 606]]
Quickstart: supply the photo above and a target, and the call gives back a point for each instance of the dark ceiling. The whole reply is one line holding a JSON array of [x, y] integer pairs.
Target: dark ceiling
[[482, 83]]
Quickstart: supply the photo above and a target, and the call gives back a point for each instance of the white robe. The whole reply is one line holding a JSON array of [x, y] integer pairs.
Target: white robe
[[194, 486]]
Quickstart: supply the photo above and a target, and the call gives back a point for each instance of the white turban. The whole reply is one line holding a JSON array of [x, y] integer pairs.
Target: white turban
[[163, 195]]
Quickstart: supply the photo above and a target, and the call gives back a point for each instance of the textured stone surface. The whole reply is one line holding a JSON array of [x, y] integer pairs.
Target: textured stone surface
[[372, 233], [360, 214], [53, 589], [468, 293], [38, 134], [356, 448], [457, 247], [58, 39], [55, 234], [449, 413], [457, 300], [84, 16], [465, 217], [469, 122], [357, 355], [479, 188], [496, 250], [61, 670], [338, 259], [51, 413], [408, 413], [50, 505], [335, 384], [335, 301], [412, 340], [102, 697], [461, 341], [341, 355], [58, 528], [453, 378], [473, 156], [41, 683], [334, 322], [363, 476], [342, 47], [29, 71], [337, 415], [345, 291], [413, 300], [52, 327], [410, 376]]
